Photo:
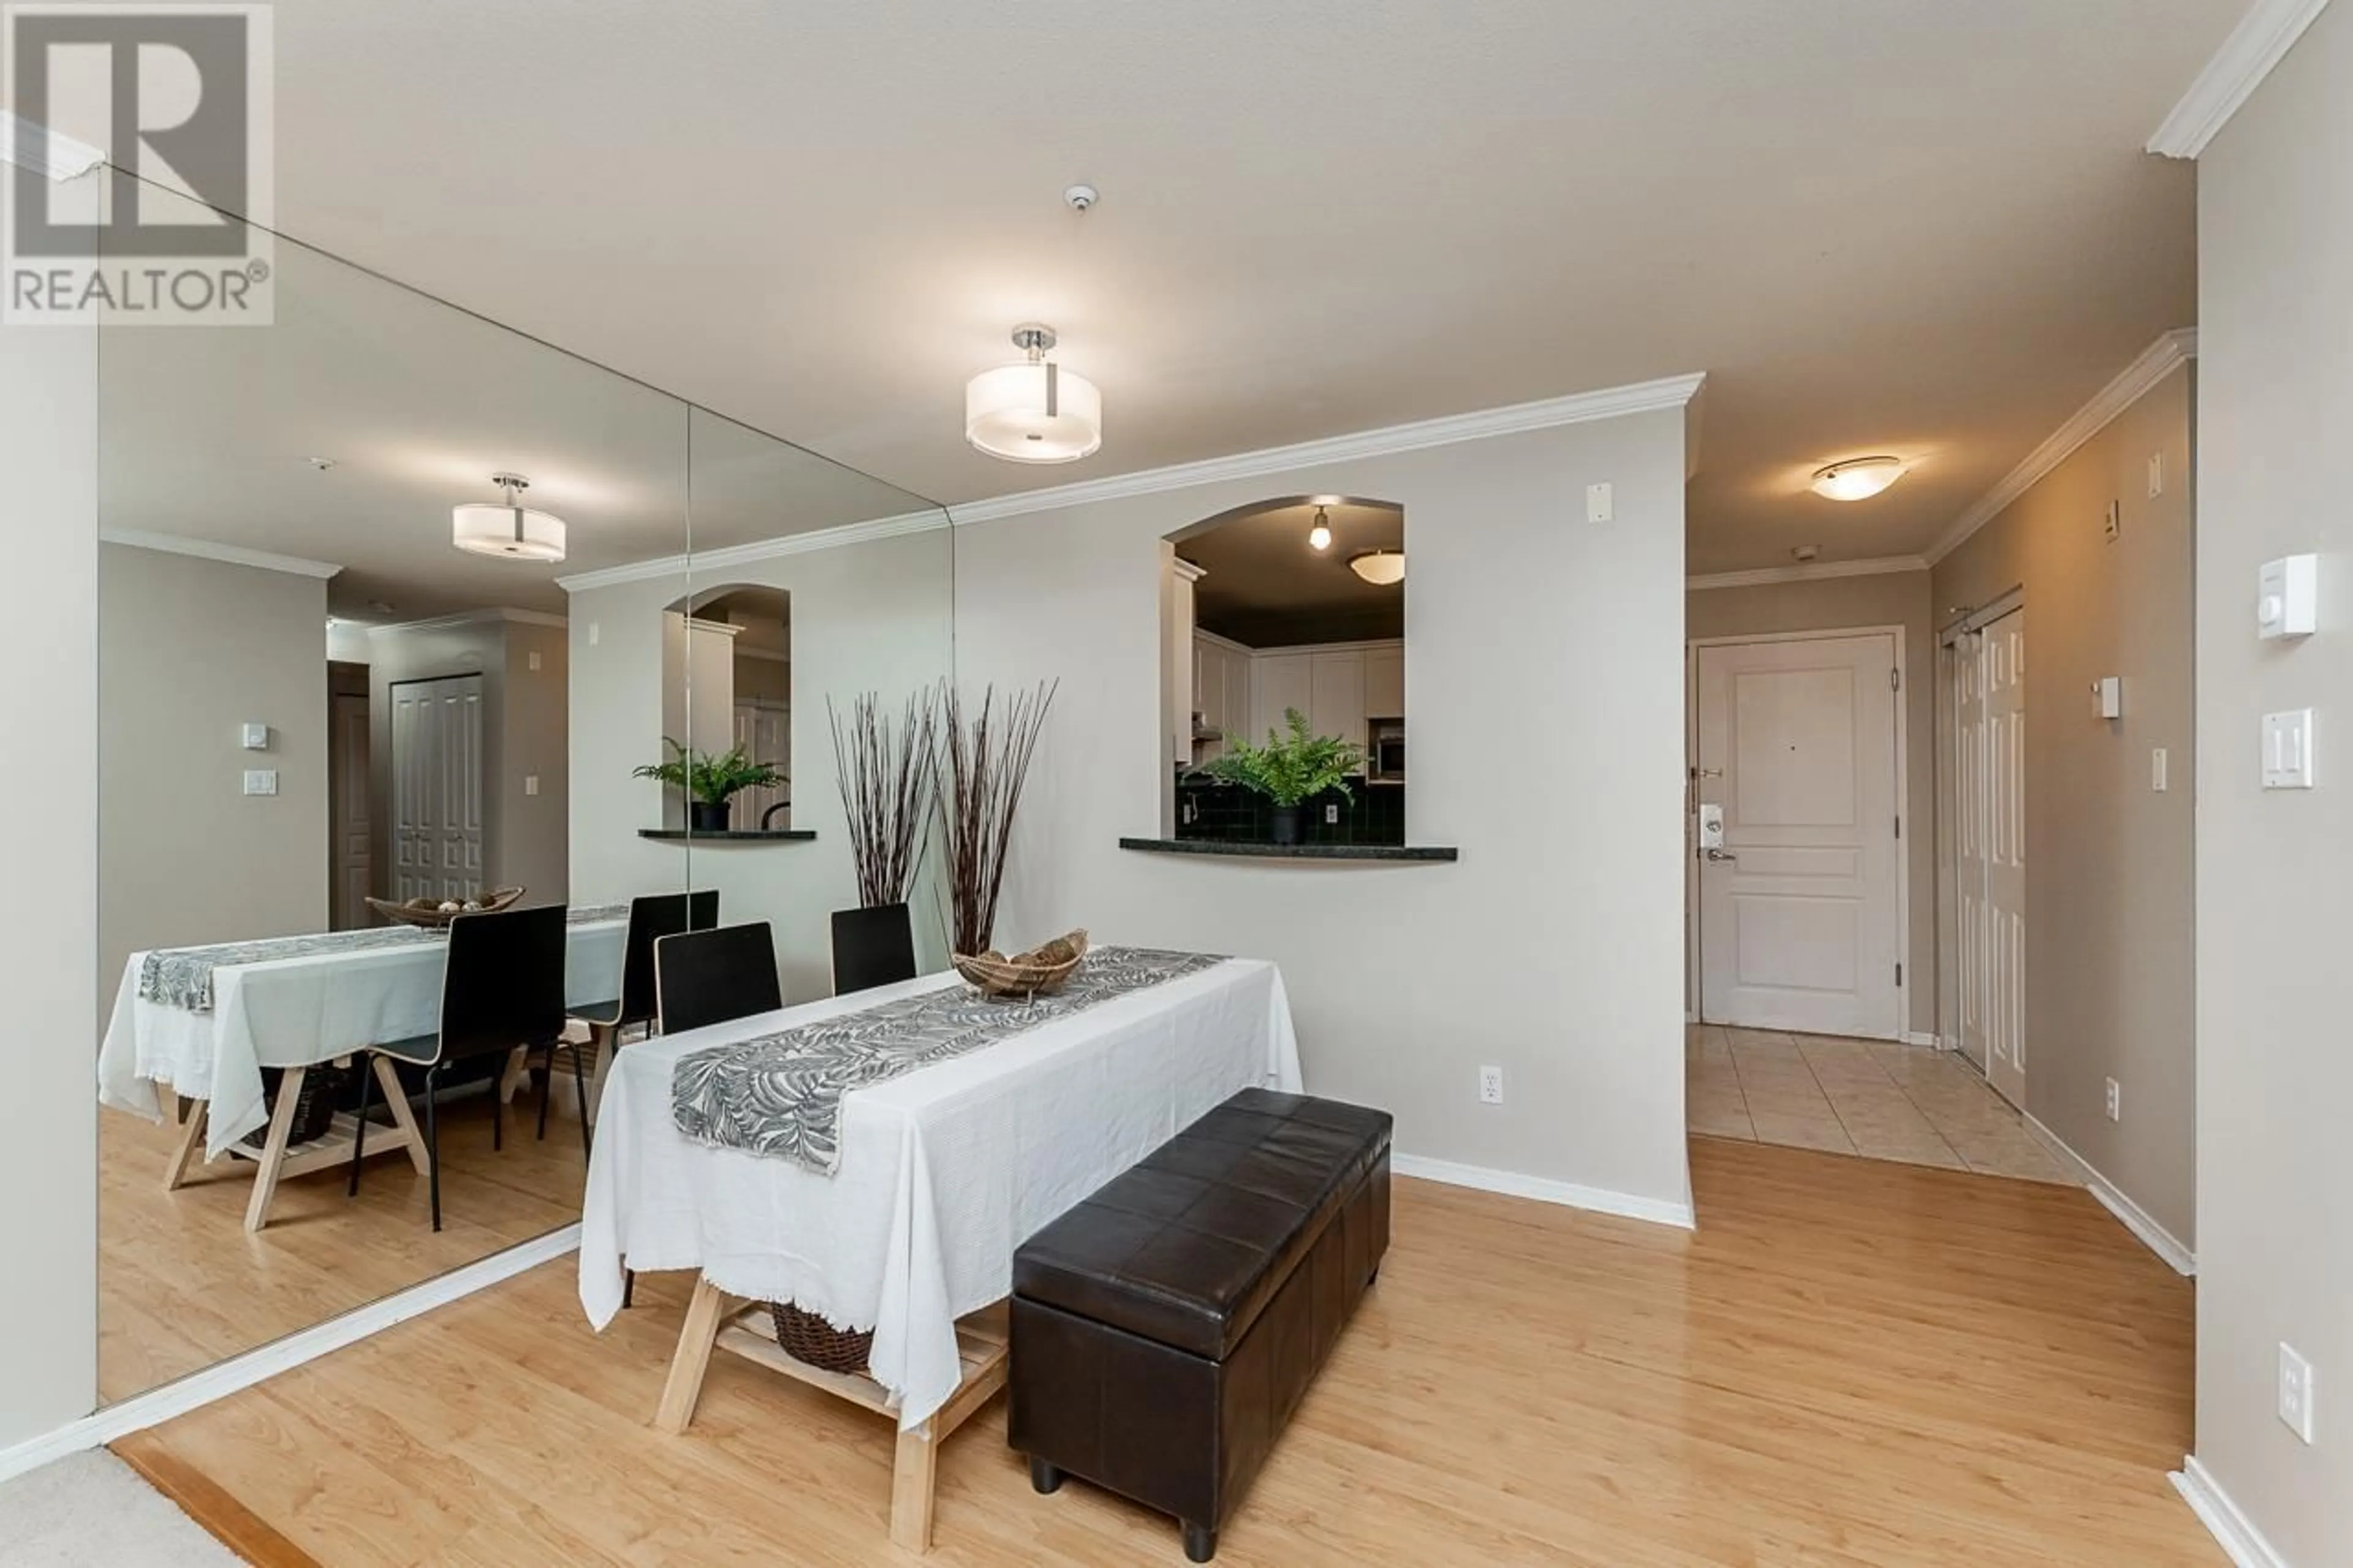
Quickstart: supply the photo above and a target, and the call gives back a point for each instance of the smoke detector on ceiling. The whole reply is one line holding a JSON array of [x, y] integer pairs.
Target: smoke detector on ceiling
[[1806, 552]]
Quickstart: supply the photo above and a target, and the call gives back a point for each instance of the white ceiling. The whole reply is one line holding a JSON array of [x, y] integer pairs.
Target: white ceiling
[[1263, 587], [1905, 225]]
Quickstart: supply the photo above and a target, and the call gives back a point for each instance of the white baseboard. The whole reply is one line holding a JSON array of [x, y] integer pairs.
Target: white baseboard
[[1599, 1200], [1924, 1037], [224, 1378], [2222, 1517], [2135, 1219]]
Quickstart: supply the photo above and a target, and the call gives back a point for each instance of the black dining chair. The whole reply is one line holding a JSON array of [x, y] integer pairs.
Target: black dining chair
[[651, 917], [501, 987], [711, 976]]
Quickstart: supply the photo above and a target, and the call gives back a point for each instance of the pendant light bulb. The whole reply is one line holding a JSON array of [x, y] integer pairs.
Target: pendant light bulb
[[1320, 536]]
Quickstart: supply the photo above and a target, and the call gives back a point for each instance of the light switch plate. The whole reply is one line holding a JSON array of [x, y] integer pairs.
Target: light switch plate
[[2114, 525], [530, 784], [2156, 475], [2157, 769], [2288, 750], [2108, 696], [254, 737], [2287, 597], [535, 659], [261, 780], [1600, 505]]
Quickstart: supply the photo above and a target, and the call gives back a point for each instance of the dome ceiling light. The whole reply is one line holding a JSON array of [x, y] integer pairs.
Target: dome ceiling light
[[1857, 479], [1320, 536], [1035, 412], [507, 529], [1382, 568]]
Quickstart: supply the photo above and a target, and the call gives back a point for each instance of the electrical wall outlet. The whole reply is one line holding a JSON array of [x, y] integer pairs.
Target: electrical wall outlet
[[2295, 1392], [1601, 503], [534, 660], [2116, 1101], [1491, 1086], [530, 784]]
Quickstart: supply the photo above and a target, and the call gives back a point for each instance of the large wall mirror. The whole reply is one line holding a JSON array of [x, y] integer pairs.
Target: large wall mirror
[[387, 674]]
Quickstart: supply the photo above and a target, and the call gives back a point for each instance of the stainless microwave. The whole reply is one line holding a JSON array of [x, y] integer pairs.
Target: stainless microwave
[[1385, 752]]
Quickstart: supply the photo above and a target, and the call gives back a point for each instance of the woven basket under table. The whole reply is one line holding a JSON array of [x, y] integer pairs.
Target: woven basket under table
[[806, 1336]]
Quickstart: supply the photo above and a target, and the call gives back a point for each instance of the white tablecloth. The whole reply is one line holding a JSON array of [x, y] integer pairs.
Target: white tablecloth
[[943, 1171], [295, 1012]]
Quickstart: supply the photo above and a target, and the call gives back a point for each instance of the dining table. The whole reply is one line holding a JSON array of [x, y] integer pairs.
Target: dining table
[[202, 1023], [904, 1218]]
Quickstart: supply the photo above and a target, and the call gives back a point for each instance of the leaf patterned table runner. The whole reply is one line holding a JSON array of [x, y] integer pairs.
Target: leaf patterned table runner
[[183, 977], [780, 1094]]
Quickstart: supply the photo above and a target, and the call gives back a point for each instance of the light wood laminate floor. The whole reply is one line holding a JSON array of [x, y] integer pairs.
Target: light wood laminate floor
[[1870, 1098], [1848, 1363], [182, 1285]]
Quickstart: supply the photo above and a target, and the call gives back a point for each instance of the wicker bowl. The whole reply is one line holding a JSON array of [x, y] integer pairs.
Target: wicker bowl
[[806, 1336], [428, 912], [1039, 971]]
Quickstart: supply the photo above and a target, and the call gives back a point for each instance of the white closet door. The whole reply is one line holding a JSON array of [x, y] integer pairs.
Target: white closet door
[[2005, 856], [437, 788]]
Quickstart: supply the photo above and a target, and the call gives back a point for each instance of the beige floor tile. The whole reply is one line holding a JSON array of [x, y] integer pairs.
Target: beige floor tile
[[1720, 1117], [1760, 1041], [1799, 1132]]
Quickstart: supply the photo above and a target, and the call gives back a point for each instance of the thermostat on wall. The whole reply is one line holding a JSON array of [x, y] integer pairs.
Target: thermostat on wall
[[254, 737], [2287, 597]]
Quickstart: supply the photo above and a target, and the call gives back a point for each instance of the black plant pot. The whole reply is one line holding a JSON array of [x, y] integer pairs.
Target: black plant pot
[[702, 817], [1282, 824], [872, 947]]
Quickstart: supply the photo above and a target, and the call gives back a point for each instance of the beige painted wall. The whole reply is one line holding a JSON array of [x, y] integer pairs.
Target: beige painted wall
[[2275, 869], [2109, 883], [49, 942], [1836, 604], [1543, 688], [188, 651], [877, 615]]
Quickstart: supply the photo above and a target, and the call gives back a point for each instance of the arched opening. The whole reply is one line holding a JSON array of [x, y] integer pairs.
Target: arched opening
[[727, 686], [1285, 669]]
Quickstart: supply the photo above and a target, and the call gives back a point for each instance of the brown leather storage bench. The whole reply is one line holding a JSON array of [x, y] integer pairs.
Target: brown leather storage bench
[[1165, 1330]]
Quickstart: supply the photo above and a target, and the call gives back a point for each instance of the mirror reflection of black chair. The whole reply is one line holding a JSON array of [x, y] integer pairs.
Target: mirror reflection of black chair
[[713, 976], [872, 947], [651, 917], [501, 987]]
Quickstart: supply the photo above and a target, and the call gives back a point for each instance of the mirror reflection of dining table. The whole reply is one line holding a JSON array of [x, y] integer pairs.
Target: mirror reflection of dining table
[[201, 1024]]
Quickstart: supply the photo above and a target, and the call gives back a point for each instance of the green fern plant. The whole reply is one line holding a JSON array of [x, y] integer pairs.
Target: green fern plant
[[1289, 771], [708, 778]]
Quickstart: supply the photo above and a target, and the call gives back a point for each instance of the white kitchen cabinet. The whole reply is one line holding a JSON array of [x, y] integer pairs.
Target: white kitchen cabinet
[[1385, 682], [1337, 694], [1279, 682]]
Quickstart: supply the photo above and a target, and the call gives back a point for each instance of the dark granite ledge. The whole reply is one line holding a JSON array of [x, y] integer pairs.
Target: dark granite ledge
[[1292, 851], [733, 835]]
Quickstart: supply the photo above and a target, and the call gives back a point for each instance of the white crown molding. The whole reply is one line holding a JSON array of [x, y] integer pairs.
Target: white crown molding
[[1609, 403], [1599, 1200], [1807, 572], [228, 554], [1186, 569], [2157, 361], [2231, 1529], [2135, 1218], [2260, 42], [472, 619], [226, 1377], [702, 562], [47, 153]]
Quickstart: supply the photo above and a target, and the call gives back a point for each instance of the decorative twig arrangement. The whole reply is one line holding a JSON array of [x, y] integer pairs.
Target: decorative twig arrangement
[[982, 768], [888, 792]]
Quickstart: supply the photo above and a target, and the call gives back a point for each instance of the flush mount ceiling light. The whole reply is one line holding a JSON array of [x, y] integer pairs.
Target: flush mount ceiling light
[[1320, 536], [1035, 412], [507, 529], [1382, 568], [1857, 479]]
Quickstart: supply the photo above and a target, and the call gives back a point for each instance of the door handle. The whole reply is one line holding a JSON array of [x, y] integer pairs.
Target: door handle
[[1721, 855]]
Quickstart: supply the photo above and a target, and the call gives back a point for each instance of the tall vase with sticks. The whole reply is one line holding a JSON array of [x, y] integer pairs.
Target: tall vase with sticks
[[984, 762], [888, 794]]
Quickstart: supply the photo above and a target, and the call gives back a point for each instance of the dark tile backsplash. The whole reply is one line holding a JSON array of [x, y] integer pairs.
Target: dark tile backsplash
[[1233, 815]]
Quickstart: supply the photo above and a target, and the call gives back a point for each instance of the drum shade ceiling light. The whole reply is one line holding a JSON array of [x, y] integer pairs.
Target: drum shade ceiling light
[[507, 529], [1382, 568], [1857, 479], [1035, 412]]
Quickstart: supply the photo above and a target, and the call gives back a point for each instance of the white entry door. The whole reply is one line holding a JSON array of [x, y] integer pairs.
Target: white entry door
[[764, 730], [1799, 913], [1991, 849], [437, 788]]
